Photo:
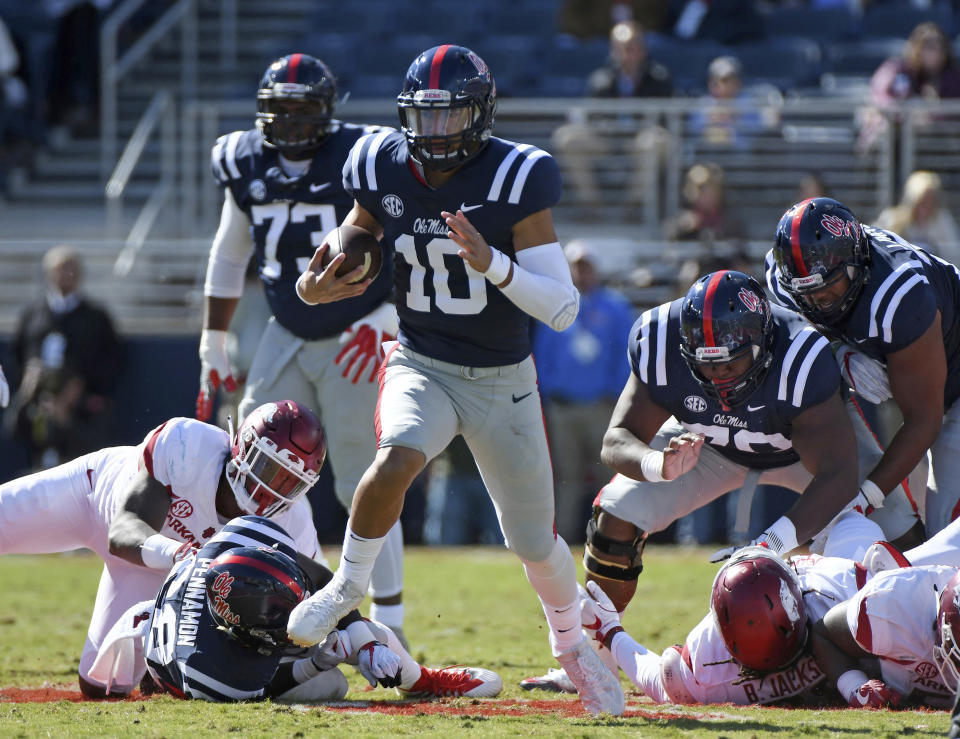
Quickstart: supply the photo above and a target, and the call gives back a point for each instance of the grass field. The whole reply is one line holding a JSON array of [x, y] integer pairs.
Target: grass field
[[464, 606]]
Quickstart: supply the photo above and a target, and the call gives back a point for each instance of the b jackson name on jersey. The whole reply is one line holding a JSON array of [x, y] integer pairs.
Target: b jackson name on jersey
[[757, 433], [447, 309], [186, 653], [899, 301], [289, 218]]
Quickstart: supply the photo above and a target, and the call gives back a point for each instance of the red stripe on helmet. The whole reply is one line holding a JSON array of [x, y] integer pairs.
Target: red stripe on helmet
[[708, 306], [435, 66], [292, 67], [795, 239], [263, 567]]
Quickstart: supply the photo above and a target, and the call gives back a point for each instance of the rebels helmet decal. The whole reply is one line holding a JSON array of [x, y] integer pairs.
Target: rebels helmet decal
[[750, 299], [251, 592]]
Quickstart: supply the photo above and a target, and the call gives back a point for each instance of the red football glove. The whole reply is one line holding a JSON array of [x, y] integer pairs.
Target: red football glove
[[363, 348], [187, 549], [875, 694]]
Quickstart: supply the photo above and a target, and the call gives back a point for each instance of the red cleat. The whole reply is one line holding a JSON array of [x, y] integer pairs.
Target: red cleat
[[452, 682]]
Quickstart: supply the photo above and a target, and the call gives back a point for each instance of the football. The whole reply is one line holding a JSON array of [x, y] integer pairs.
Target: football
[[361, 248]]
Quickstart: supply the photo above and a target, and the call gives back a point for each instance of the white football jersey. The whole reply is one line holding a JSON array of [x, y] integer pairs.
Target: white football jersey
[[187, 457], [894, 617], [708, 671]]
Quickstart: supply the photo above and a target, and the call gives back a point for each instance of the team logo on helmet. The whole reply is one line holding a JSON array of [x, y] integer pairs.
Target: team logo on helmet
[[258, 190], [477, 62], [221, 589], [181, 509], [695, 404], [789, 603], [392, 205], [749, 299]]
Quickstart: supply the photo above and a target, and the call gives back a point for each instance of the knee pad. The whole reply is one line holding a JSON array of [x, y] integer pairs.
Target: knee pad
[[600, 547]]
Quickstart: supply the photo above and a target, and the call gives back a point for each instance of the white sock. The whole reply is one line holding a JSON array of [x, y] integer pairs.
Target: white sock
[[387, 576], [358, 556], [555, 580], [392, 616]]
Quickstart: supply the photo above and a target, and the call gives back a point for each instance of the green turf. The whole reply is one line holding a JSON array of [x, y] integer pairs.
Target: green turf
[[464, 606]]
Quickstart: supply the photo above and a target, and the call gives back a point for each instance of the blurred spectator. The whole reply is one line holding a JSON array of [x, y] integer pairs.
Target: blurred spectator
[[921, 218], [811, 185], [580, 372], [74, 80], [728, 116], [926, 70], [69, 360], [710, 220], [459, 510], [13, 104], [725, 21], [595, 18], [630, 73]]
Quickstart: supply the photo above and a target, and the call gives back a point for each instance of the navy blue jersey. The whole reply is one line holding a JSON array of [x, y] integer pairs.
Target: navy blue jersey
[[447, 309], [906, 287], [289, 218], [185, 650], [757, 433]]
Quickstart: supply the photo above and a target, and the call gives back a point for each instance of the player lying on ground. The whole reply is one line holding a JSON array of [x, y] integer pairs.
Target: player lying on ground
[[141, 507], [217, 631], [753, 646]]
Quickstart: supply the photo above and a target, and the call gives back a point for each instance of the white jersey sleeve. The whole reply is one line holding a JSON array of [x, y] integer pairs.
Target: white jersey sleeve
[[892, 617], [186, 455]]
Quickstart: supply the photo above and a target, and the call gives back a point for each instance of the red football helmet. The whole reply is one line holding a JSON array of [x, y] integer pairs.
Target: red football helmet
[[276, 457], [758, 606], [946, 650]]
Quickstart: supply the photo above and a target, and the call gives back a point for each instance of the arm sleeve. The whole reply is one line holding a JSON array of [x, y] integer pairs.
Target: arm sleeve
[[230, 253], [543, 287], [641, 666]]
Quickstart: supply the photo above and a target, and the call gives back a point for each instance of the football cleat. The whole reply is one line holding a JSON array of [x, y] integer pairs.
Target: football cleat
[[556, 680], [317, 616], [599, 690], [453, 682], [881, 556]]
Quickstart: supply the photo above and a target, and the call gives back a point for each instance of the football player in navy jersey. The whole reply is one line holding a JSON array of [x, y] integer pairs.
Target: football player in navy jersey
[[282, 192], [468, 218], [895, 307], [217, 631]]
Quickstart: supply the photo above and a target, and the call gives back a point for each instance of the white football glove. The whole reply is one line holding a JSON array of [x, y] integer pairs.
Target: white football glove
[[603, 609], [866, 376], [780, 538], [379, 664], [4, 390], [363, 342], [332, 651], [214, 368]]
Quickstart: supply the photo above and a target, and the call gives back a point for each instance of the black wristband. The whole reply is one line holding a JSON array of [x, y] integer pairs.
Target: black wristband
[[608, 637]]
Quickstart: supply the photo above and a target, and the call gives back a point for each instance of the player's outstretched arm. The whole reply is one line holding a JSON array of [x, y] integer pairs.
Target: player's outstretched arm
[[635, 421], [134, 532], [319, 284]]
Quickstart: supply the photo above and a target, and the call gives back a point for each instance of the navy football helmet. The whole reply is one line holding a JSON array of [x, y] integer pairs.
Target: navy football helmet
[[447, 106], [758, 606], [295, 104], [819, 241], [726, 316], [251, 592], [276, 456]]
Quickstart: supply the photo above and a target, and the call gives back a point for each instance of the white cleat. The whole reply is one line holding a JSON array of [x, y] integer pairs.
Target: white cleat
[[317, 616], [556, 680], [453, 682], [599, 690], [881, 556]]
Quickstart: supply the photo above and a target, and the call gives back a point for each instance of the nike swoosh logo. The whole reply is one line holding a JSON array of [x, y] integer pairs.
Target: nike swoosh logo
[[861, 341], [752, 408], [318, 188], [467, 208], [517, 400]]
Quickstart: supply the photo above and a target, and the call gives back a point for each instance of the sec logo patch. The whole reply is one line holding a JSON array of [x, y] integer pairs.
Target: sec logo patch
[[695, 403], [181, 509], [258, 190], [392, 205]]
